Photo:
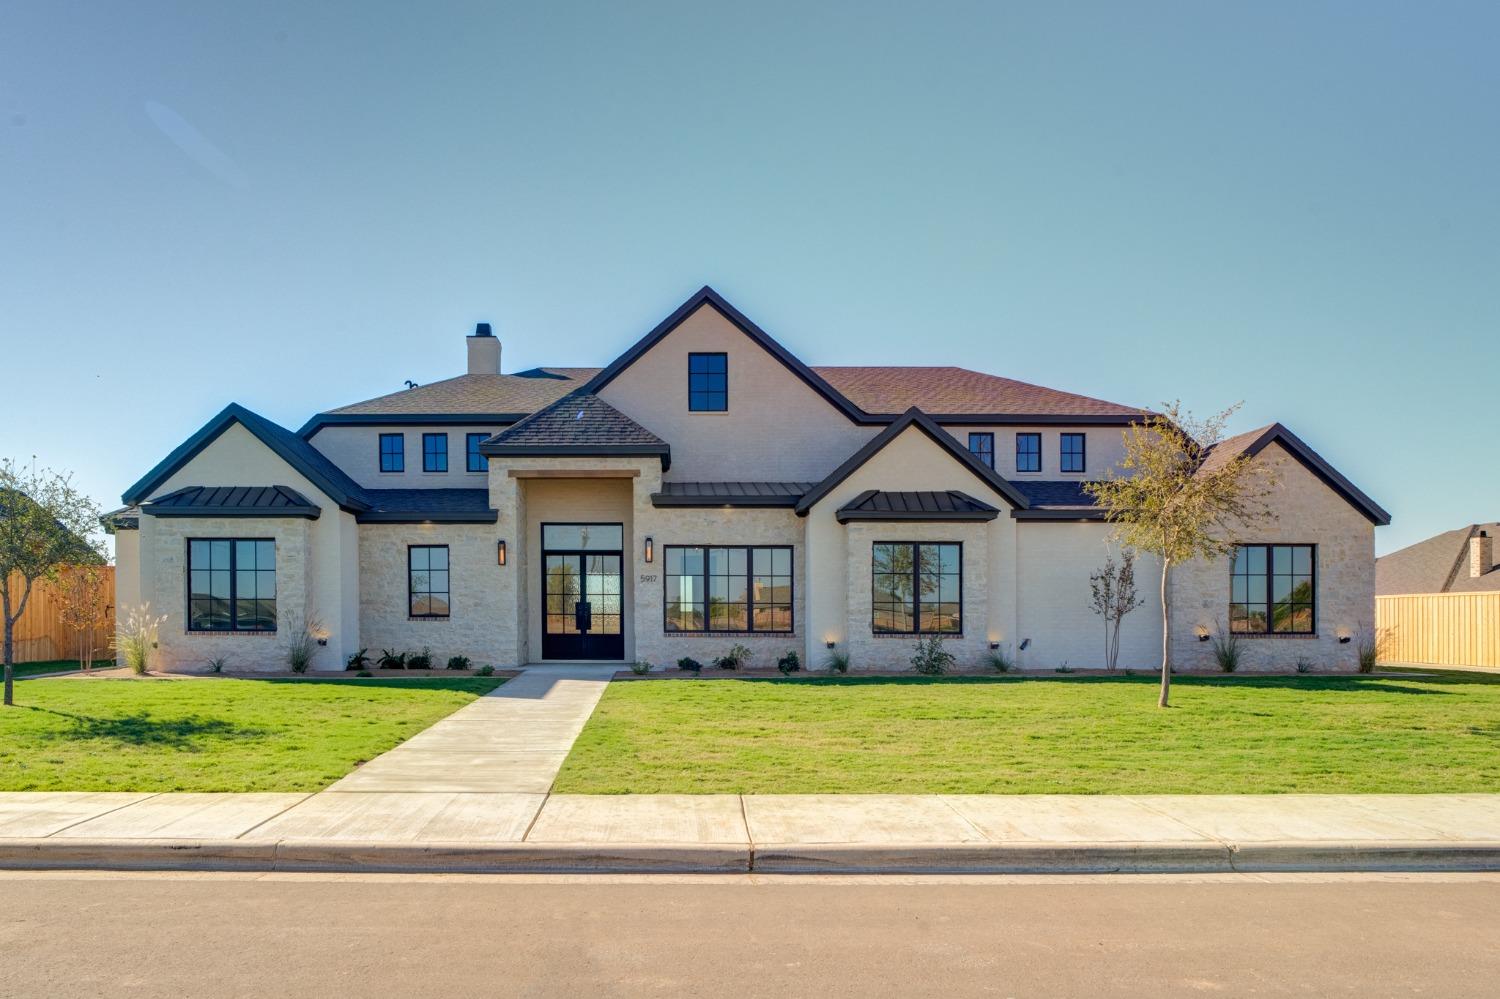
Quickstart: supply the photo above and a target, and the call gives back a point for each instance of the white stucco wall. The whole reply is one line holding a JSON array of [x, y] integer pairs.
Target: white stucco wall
[[356, 450], [776, 427]]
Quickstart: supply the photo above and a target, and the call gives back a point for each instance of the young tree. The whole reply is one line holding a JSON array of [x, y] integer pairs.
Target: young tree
[[45, 524], [1114, 597], [1180, 501], [84, 607]]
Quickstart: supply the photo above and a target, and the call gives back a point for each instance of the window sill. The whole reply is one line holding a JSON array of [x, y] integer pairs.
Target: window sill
[[1257, 635], [729, 634], [915, 634], [429, 617], [229, 633]]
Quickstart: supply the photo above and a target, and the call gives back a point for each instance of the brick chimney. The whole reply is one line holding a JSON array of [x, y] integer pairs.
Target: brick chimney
[[484, 351], [1481, 554]]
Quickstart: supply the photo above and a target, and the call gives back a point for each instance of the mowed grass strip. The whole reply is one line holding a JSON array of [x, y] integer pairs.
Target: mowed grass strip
[[212, 735], [1086, 735]]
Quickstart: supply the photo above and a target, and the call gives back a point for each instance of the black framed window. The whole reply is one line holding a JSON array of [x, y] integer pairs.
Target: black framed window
[[708, 383], [1071, 454], [1028, 452], [393, 452], [731, 589], [1273, 590], [917, 588], [427, 580], [434, 452], [982, 446], [474, 461], [231, 584]]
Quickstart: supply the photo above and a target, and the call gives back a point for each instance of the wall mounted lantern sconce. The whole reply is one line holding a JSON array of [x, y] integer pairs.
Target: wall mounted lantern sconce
[[500, 552], [1344, 639], [829, 645], [650, 549], [1025, 644], [1202, 633], [323, 642], [994, 645]]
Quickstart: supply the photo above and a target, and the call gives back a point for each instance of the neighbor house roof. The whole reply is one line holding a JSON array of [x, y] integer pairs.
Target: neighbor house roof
[[876, 504], [713, 494], [912, 418], [1253, 442], [233, 501], [576, 425], [1438, 565]]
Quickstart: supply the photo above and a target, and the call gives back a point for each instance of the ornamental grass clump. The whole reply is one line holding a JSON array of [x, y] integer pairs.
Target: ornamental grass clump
[[1227, 648], [640, 667], [302, 641], [136, 639], [837, 661], [1000, 660]]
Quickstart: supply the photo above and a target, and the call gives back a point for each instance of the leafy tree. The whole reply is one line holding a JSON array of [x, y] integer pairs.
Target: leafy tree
[[84, 607], [1114, 596], [1180, 501], [45, 524]]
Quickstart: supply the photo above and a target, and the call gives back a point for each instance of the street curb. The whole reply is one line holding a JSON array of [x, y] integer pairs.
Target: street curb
[[732, 858]]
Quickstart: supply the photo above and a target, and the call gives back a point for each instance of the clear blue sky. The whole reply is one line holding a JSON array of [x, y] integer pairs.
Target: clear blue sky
[[1293, 204]]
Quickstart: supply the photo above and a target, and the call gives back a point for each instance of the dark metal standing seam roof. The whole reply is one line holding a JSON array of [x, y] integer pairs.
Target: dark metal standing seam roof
[[233, 501], [875, 504], [746, 494]]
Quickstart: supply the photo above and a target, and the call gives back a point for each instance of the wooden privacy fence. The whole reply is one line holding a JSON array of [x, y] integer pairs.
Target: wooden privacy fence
[[40, 634], [1439, 629]]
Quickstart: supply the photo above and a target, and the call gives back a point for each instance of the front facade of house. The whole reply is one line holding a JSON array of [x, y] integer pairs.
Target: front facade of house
[[708, 489]]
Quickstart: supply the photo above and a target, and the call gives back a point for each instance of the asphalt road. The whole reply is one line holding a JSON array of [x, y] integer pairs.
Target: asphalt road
[[308, 935]]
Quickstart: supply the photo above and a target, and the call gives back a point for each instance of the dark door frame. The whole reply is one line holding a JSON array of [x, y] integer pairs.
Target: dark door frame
[[585, 645]]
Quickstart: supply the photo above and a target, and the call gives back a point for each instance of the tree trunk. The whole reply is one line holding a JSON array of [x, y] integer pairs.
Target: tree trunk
[[9, 631], [1166, 637]]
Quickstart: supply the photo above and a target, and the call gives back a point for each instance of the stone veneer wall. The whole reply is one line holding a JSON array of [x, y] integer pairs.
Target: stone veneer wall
[[164, 580], [868, 650], [475, 625], [1304, 511]]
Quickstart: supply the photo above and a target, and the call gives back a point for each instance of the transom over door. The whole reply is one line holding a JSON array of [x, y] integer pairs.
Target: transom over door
[[583, 610]]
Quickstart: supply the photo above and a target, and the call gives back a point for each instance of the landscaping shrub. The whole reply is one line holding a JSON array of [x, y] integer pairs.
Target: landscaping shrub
[[459, 662], [1304, 664], [1227, 649], [137, 638], [216, 664], [1064, 668], [689, 665], [999, 660], [486, 670], [420, 660], [1369, 651], [640, 667], [736, 657], [837, 661], [358, 661], [931, 658], [391, 659], [789, 663], [301, 641]]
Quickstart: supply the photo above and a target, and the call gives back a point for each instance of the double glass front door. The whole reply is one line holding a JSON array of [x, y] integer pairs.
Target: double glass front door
[[583, 610]]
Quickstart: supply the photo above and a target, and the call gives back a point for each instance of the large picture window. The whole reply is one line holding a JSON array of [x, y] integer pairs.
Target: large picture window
[[231, 584], [1028, 452], [427, 580], [1273, 590], [917, 588], [708, 383], [728, 589]]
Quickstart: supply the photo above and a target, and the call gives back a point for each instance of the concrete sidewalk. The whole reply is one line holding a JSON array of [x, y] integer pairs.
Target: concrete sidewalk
[[534, 832]]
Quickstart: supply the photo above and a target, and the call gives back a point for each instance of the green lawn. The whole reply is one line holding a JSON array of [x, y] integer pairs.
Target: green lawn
[[1083, 735], [212, 735], [55, 666]]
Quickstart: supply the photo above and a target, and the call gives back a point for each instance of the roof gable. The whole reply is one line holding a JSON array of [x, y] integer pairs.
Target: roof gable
[[1254, 442], [706, 296], [912, 418], [578, 424], [296, 452]]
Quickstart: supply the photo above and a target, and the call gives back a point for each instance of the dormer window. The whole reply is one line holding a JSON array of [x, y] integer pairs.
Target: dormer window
[[708, 383]]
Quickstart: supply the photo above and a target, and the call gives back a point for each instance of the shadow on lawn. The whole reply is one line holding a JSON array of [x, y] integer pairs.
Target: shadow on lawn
[[140, 729]]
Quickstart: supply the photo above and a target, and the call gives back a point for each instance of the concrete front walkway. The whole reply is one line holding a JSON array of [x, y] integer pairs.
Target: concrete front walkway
[[512, 739]]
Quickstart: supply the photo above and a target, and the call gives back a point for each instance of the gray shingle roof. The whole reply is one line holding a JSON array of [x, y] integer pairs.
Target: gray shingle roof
[[578, 424], [514, 394], [233, 501], [749, 494], [446, 506], [875, 504], [1438, 565]]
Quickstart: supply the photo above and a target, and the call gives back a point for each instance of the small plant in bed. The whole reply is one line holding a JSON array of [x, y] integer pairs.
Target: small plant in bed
[[999, 660], [420, 660], [837, 661], [640, 667], [689, 665], [789, 663], [1227, 649], [930, 658], [216, 664], [486, 670], [391, 659], [459, 662], [736, 657], [357, 661]]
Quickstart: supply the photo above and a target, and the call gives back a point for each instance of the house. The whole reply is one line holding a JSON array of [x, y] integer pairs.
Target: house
[[707, 488], [1461, 561]]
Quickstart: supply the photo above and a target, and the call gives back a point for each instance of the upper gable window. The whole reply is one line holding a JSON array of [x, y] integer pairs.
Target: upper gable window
[[434, 452], [393, 452], [1072, 453], [1028, 452], [708, 383], [982, 446]]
